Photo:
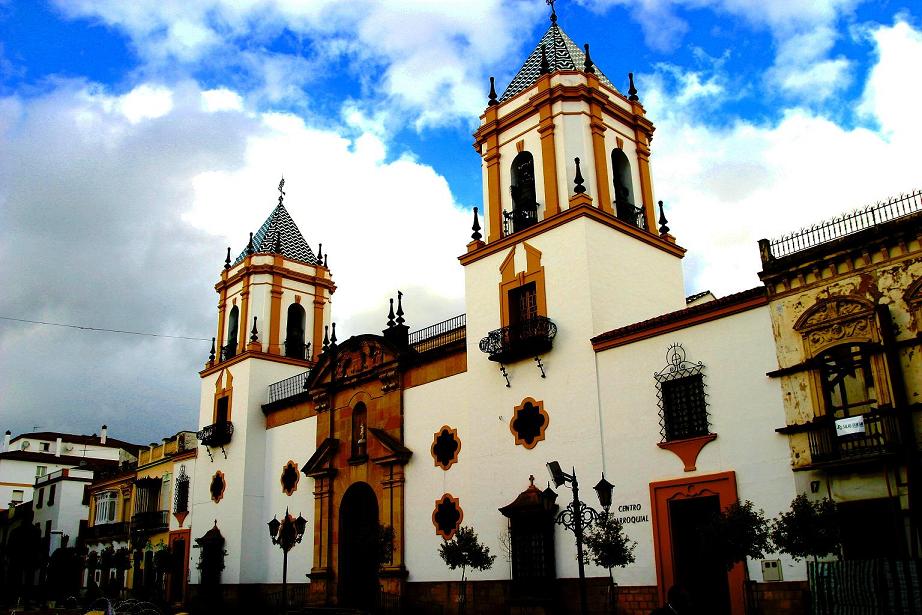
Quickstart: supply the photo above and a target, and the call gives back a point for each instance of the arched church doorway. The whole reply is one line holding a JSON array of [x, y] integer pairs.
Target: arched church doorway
[[358, 532]]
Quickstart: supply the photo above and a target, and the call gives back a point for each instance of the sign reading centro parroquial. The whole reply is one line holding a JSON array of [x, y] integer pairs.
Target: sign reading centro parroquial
[[849, 426], [636, 517]]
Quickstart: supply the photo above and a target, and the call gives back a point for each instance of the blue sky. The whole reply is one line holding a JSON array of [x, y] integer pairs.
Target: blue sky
[[139, 139]]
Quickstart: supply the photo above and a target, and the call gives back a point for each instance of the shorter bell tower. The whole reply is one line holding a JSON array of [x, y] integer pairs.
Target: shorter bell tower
[[273, 308]]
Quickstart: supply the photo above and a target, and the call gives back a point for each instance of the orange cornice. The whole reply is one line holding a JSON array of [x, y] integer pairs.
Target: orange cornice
[[562, 218], [272, 269], [560, 93], [692, 319], [251, 354]]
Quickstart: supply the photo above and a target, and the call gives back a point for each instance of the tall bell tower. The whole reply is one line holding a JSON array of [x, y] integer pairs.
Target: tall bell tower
[[572, 230], [273, 307]]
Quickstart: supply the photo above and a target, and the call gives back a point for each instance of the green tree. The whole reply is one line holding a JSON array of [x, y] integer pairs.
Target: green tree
[[808, 528], [465, 551], [607, 545], [737, 532]]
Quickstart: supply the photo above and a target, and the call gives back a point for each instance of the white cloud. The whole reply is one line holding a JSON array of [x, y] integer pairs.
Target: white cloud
[[388, 45], [122, 224], [725, 188], [804, 34]]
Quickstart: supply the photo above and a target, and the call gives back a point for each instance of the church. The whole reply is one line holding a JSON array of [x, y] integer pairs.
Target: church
[[577, 346]]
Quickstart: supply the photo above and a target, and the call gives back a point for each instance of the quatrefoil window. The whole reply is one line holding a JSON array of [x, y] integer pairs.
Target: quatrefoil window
[[290, 478], [445, 447], [529, 422], [217, 487], [447, 516]]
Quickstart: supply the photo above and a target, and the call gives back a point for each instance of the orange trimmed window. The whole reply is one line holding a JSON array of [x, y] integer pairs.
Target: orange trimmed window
[[447, 516], [290, 478], [445, 447], [529, 422]]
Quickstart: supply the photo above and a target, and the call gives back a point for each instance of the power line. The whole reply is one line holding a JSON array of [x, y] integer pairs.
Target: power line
[[83, 328]]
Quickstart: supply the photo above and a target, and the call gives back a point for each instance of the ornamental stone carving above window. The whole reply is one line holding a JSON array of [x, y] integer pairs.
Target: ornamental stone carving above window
[[447, 516], [445, 447], [290, 477], [529, 422]]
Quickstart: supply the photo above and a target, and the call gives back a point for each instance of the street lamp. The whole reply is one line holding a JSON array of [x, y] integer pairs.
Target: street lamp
[[577, 515], [286, 534]]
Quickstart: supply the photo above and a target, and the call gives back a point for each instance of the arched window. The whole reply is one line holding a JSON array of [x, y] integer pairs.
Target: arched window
[[625, 207], [233, 325], [524, 198], [294, 336]]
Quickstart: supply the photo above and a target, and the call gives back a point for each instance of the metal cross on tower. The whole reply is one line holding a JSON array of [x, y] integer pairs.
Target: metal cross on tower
[[281, 190]]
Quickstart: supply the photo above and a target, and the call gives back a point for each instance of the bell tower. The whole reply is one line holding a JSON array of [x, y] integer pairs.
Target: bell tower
[[572, 231], [273, 307]]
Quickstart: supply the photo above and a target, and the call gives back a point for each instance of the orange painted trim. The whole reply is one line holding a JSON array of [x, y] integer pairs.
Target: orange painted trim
[[249, 354], [492, 124], [435, 438], [534, 273], [646, 184], [722, 485], [243, 334], [5, 484], [688, 449], [185, 535], [290, 415], [317, 341], [690, 321], [275, 315], [223, 390], [563, 217], [494, 197], [277, 269], [548, 152], [438, 530]]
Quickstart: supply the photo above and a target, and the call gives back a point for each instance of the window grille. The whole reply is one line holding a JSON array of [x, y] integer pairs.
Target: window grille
[[181, 497], [682, 397]]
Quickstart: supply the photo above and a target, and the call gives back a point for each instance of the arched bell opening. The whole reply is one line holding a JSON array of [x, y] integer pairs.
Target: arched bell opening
[[233, 328], [625, 203], [294, 332], [524, 197]]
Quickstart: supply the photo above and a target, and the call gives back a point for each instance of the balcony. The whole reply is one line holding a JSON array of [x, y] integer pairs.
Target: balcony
[[229, 351], [105, 530], [295, 348], [217, 434], [150, 521], [881, 436], [528, 338]]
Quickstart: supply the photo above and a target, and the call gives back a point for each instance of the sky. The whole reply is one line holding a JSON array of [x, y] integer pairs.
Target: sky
[[139, 139]]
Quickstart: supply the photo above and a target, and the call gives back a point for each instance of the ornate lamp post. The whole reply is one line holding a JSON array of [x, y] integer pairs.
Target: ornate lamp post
[[286, 534], [577, 515]]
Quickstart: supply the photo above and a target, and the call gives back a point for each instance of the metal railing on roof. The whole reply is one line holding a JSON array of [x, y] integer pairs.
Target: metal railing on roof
[[844, 225], [289, 387], [440, 334]]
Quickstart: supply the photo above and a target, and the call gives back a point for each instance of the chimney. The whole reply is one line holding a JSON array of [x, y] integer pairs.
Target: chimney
[[6, 440], [102, 434], [57, 447]]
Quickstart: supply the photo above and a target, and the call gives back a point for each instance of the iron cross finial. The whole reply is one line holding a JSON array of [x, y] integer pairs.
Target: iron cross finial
[[553, 11], [282, 190]]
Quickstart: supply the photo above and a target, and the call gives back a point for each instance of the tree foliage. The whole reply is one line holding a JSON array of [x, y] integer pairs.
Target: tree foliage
[[808, 528], [606, 544], [465, 551], [737, 532]]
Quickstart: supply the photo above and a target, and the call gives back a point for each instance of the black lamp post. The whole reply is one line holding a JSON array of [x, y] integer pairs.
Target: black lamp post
[[286, 534], [577, 515]]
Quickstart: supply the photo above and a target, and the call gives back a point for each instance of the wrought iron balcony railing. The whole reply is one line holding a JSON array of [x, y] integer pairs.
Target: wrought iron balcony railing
[[217, 434], [630, 213], [520, 218], [528, 338], [881, 436], [150, 521], [297, 349], [289, 387], [440, 334], [229, 351]]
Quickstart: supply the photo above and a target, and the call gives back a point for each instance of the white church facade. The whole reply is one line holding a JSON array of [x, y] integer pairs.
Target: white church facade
[[577, 346]]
